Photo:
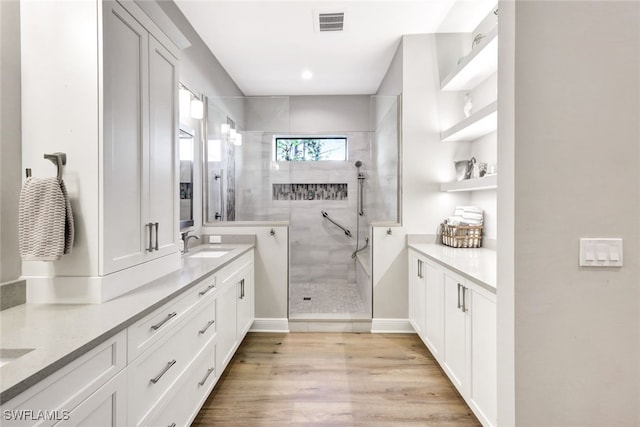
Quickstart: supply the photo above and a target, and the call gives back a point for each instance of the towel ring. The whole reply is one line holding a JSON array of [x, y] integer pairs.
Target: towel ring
[[58, 159]]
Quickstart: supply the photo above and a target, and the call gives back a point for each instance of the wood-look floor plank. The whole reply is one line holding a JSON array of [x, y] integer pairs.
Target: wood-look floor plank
[[334, 379]]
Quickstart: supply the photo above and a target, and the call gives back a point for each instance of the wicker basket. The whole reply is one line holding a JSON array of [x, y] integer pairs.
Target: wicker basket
[[461, 236]]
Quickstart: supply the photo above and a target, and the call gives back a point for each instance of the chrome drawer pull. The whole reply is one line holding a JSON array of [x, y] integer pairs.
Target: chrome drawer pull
[[169, 317], [459, 305], [164, 371], [156, 247], [150, 248], [202, 331], [173, 425], [464, 300], [206, 290], [209, 371]]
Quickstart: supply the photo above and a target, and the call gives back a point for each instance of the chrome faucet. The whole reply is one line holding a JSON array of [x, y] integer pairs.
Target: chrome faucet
[[185, 239]]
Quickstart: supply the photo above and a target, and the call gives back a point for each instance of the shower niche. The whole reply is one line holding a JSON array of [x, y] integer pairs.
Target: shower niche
[[310, 191]]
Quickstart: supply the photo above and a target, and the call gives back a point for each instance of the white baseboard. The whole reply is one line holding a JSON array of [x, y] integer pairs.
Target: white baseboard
[[387, 326], [394, 326], [270, 325]]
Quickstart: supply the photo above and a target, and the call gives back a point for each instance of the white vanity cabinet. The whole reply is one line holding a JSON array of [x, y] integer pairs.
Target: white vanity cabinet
[[425, 301], [89, 389], [100, 83], [157, 371], [459, 328], [235, 307], [160, 369]]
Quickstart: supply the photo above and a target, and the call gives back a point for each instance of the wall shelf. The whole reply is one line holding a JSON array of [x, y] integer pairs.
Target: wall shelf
[[489, 182], [474, 68], [478, 124]]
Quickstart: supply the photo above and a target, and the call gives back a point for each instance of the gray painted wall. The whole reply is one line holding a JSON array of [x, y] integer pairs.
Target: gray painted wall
[[202, 73], [10, 137], [576, 153], [329, 113]]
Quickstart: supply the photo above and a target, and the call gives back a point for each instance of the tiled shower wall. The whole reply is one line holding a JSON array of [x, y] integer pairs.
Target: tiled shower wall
[[319, 251]]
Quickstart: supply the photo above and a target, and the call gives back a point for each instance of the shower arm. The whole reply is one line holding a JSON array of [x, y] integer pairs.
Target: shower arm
[[326, 215]]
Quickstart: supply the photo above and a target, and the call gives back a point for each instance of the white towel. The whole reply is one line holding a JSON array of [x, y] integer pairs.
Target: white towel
[[458, 220], [470, 214], [45, 220]]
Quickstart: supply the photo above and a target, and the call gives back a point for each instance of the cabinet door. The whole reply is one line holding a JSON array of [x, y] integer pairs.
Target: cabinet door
[[226, 321], [417, 293], [456, 330], [125, 133], [107, 407], [434, 286], [163, 133], [484, 356], [245, 302]]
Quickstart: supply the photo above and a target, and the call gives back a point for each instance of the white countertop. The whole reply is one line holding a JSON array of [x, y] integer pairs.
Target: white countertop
[[477, 264], [60, 333]]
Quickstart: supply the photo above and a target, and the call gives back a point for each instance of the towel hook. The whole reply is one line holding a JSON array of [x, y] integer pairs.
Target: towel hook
[[58, 159]]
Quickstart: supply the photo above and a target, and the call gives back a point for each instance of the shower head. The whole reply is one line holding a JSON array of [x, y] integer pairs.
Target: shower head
[[358, 163]]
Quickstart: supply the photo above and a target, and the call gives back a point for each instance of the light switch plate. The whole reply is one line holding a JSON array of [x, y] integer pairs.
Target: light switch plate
[[215, 239], [600, 252]]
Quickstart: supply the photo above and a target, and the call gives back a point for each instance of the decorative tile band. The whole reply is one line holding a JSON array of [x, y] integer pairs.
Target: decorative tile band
[[309, 191]]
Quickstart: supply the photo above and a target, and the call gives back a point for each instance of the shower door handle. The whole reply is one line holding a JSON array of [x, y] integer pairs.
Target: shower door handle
[[220, 179]]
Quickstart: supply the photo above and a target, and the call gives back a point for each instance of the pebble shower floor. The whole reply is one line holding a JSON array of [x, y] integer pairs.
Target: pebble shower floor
[[325, 298]]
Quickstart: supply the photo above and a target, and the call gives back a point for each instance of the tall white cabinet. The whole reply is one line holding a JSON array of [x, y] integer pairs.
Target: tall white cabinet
[[100, 84], [141, 77]]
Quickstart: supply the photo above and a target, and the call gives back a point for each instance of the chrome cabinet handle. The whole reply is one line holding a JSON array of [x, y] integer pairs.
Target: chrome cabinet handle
[[206, 290], [209, 371], [172, 425], [166, 319], [420, 269], [242, 289], [464, 300], [157, 224], [459, 305], [150, 226], [164, 371], [203, 330]]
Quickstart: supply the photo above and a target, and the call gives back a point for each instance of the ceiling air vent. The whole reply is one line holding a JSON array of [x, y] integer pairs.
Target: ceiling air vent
[[330, 21]]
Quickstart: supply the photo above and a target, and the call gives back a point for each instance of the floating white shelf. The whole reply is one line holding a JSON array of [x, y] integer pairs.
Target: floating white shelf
[[488, 182], [474, 68], [478, 124]]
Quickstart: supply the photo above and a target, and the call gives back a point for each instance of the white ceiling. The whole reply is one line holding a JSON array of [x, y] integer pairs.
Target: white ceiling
[[265, 45]]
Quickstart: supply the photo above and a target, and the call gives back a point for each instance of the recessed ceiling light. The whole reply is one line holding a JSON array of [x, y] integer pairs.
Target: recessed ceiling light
[[307, 75]]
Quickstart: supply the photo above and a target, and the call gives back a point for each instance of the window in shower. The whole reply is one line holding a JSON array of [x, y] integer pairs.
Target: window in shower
[[292, 149]]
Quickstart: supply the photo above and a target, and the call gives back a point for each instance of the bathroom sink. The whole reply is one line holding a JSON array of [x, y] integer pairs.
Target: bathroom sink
[[8, 355], [209, 254]]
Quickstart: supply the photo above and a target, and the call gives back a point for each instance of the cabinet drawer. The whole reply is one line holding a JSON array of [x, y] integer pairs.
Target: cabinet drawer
[[65, 389], [104, 408], [153, 373], [148, 330], [232, 269], [183, 403]]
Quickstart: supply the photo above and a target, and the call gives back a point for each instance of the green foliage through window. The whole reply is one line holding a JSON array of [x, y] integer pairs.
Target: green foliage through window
[[310, 149]]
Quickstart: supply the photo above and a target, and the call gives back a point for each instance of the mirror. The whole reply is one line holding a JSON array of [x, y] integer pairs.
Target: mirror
[[186, 148]]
